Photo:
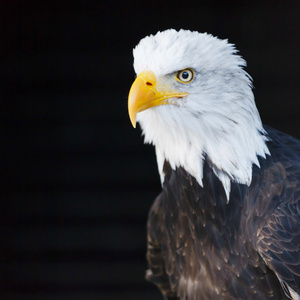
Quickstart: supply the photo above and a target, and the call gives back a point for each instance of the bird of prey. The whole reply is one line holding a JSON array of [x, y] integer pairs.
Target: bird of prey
[[227, 222]]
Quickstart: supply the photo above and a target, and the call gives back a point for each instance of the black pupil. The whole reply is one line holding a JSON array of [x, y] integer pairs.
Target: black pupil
[[185, 75]]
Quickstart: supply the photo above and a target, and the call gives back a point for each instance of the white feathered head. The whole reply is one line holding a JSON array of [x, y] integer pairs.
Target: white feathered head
[[193, 99]]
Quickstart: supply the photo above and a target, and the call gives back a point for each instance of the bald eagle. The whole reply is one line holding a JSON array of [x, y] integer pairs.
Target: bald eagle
[[227, 222]]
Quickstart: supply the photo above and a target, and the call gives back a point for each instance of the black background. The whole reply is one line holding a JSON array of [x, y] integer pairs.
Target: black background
[[76, 180]]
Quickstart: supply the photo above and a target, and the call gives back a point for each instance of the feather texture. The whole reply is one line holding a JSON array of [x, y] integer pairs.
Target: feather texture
[[205, 248]]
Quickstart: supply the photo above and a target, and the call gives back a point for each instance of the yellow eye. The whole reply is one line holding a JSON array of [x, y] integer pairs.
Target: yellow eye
[[185, 76]]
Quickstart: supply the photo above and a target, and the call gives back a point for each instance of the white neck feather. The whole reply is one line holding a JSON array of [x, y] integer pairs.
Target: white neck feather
[[231, 146]]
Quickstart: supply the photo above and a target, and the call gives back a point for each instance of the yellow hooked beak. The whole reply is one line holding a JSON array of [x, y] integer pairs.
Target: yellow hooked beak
[[144, 94]]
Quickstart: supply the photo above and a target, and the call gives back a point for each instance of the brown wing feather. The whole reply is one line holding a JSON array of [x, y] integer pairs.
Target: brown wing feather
[[279, 239], [157, 266]]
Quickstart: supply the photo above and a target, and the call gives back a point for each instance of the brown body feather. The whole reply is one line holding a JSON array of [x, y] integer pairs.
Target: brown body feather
[[201, 247]]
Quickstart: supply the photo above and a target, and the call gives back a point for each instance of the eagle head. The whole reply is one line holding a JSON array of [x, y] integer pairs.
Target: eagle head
[[194, 101]]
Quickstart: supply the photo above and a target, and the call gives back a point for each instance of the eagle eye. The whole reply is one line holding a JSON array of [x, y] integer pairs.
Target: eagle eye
[[185, 75]]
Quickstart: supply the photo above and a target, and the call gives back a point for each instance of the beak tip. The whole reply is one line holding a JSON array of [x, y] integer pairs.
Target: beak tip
[[133, 121]]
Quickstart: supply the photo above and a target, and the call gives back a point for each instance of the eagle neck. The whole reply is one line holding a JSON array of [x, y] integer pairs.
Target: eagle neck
[[230, 144]]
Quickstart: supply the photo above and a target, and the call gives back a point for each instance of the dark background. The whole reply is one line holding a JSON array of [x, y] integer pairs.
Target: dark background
[[76, 180]]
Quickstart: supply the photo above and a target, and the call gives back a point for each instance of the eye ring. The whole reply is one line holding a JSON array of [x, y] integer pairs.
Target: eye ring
[[185, 75]]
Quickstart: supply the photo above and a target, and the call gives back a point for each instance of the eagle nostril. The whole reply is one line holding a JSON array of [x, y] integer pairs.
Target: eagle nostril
[[149, 83]]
